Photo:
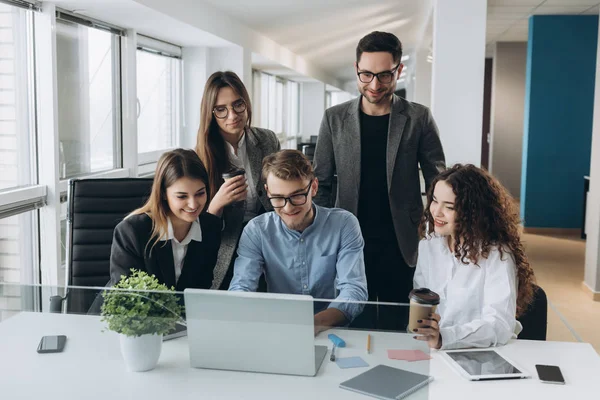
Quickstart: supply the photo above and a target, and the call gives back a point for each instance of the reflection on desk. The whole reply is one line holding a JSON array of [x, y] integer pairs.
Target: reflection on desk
[[91, 367]]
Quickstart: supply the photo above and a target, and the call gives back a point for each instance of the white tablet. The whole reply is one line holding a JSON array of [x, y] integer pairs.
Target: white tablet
[[482, 364]]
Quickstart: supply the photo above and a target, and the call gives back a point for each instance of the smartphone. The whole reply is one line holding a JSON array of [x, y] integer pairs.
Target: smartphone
[[52, 344], [550, 374]]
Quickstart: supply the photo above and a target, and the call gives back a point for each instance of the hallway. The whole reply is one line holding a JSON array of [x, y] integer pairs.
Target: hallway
[[558, 262]]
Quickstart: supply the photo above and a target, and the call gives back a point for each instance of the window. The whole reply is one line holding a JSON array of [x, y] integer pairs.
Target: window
[[276, 102], [279, 106], [16, 100], [18, 225], [158, 93], [293, 108], [18, 244], [88, 99]]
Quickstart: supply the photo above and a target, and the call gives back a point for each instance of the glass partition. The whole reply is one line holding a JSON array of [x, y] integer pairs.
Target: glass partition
[[223, 332], [213, 341]]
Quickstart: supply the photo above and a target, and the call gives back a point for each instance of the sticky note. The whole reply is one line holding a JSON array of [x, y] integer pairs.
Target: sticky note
[[351, 362], [408, 355]]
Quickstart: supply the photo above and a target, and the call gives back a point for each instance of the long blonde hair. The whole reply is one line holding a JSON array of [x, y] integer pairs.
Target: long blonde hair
[[210, 145], [171, 166]]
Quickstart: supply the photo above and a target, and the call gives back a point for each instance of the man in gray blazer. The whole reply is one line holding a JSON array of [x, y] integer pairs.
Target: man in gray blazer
[[374, 144]]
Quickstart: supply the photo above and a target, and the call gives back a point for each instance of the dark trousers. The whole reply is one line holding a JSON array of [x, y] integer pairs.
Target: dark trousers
[[389, 279]]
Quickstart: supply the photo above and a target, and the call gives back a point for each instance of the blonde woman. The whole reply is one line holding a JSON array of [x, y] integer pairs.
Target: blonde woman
[[171, 236], [226, 141]]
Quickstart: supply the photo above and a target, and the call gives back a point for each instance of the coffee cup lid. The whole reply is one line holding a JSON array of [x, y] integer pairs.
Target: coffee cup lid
[[233, 173], [424, 296]]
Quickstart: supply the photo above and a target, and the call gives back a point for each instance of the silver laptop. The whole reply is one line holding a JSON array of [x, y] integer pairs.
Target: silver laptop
[[254, 332]]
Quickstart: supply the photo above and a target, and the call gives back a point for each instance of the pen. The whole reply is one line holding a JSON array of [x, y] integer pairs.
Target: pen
[[368, 344], [332, 356]]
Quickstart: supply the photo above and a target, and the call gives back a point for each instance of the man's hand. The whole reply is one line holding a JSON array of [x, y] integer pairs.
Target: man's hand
[[327, 319], [430, 332]]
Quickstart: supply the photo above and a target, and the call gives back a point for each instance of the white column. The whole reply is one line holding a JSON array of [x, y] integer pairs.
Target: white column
[[422, 78], [129, 102], [247, 70], [312, 109], [458, 73], [47, 118], [194, 79], [592, 221]]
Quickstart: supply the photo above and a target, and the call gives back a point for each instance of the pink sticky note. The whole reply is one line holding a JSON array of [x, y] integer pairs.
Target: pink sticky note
[[407, 355], [419, 355]]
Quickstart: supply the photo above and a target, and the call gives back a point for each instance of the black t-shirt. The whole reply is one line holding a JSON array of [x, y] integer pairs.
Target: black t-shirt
[[374, 212]]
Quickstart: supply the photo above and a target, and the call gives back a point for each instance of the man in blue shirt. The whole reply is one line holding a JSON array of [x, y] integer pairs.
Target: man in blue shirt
[[303, 248]]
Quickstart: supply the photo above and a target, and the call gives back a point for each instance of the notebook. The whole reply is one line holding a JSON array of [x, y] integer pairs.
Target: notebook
[[386, 383]]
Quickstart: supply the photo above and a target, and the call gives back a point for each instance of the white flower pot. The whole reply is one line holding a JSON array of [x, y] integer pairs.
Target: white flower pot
[[141, 353]]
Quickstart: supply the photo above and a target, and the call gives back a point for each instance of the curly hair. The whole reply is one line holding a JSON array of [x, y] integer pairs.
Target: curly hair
[[486, 217]]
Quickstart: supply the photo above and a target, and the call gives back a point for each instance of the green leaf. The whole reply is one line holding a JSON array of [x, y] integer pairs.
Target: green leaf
[[145, 306]]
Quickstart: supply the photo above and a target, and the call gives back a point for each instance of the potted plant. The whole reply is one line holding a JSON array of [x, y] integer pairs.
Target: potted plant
[[141, 310]]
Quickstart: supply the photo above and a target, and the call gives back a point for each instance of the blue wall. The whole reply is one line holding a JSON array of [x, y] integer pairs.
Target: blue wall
[[557, 135]]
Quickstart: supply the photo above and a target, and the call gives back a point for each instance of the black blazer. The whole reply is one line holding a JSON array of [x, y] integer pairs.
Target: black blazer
[[129, 250]]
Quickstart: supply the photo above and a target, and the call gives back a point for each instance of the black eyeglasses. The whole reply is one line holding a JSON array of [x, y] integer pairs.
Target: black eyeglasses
[[295, 199], [222, 112], [382, 77]]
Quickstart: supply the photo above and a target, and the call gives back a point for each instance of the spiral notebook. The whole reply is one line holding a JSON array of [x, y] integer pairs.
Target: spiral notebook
[[387, 383]]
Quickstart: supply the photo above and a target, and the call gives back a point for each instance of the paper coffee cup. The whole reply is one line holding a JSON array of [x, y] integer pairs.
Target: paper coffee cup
[[422, 303], [233, 173]]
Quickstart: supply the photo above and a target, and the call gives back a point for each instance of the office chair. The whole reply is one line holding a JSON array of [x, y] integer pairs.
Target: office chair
[[95, 207], [535, 319], [309, 151]]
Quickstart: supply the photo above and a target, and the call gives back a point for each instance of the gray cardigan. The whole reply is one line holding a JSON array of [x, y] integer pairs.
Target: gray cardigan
[[259, 144], [413, 139]]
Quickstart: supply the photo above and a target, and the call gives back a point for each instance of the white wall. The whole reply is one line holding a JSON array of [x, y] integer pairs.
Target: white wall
[[232, 58], [340, 97], [592, 246], [312, 108], [422, 78], [195, 73], [507, 111]]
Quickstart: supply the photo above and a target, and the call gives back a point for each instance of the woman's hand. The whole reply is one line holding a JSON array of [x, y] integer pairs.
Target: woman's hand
[[430, 331], [231, 191]]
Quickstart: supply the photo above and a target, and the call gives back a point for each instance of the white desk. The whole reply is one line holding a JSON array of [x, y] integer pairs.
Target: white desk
[[91, 368]]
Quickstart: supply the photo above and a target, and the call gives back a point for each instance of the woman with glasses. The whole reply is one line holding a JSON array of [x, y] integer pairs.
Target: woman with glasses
[[228, 144]]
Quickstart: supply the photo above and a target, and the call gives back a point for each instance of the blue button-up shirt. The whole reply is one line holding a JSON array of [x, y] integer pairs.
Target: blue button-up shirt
[[325, 260]]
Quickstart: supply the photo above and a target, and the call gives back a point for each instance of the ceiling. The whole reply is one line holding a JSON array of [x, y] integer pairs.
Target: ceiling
[[508, 20], [326, 32], [144, 19]]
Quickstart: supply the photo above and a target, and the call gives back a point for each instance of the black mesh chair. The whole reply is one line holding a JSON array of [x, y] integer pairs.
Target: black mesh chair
[[535, 319], [95, 207], [309, 151]]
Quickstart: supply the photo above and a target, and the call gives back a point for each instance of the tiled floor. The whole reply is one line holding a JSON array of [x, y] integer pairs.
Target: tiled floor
[[558, 263]]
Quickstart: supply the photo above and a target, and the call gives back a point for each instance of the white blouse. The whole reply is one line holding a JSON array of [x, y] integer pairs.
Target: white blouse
[[180, 248], [477, 303]]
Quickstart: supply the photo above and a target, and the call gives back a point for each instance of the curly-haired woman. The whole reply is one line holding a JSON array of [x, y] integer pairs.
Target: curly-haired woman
[[472, 256]]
